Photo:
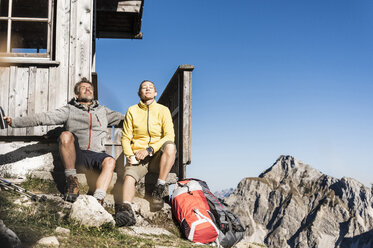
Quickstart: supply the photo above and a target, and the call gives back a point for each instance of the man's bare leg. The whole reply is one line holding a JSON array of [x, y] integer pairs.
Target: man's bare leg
[[104, 179], [67, 150], [68, 156]]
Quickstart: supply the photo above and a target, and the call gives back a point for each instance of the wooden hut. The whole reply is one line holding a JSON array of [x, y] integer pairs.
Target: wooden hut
[[46, 46]]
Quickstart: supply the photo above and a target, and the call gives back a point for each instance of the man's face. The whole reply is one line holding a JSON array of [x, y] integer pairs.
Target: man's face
[[85, 93], [147, 91]]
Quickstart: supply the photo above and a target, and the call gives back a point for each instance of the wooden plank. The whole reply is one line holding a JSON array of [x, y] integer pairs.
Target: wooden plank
[[31, 97], [18, 96], [187, 116], [129, 6], [24, 61], [57, 92], [4, 93], [59, 78], [41, 100], [109, 150], [117, 136], [11, 102], [119, 6], [119, 35], [118, 155], [116, 139], [73, 47], [80, 41]]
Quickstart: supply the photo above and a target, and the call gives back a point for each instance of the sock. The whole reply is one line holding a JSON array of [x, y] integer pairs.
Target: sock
[[70, 172], [161, 182], [99, 194], [127, 202]]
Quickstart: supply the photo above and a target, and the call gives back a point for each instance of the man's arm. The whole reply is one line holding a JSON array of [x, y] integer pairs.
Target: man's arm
[[54, 117], [167, 128], [114, 118]]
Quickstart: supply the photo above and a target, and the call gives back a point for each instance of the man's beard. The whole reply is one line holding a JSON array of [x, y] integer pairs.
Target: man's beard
[[84, 99]]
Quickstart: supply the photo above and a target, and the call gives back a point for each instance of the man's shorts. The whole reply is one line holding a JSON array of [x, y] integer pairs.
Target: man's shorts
[[151, 164], [88, 160]]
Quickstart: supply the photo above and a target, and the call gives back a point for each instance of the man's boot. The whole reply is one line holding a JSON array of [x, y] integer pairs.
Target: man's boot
[[124, 215], [72, 189], [157, 197]]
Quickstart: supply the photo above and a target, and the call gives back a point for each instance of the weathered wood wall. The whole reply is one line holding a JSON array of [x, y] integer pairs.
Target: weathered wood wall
[[31, 87], [178, 98]]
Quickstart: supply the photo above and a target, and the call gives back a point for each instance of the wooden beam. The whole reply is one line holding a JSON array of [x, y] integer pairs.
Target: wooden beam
[[27, 61], [4, 91], [129, 6], [118, 35]]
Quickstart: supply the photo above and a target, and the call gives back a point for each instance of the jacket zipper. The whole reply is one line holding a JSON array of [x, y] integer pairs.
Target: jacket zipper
[[150, 137], [90, 129], [98, 120]]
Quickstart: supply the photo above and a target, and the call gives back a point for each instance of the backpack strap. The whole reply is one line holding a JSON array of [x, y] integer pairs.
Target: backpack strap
[[236, 225], [201, 219], [185, 185]]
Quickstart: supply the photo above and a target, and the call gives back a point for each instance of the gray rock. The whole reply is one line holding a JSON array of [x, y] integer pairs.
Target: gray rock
[[23, 201], [22, 158], [87, 211], [51, 241], [294, 205], [8, 238], [62, 231], [140, 231], [143, 215]]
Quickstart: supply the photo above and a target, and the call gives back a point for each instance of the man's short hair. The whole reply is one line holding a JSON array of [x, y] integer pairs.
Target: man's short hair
[[143, 81], [77, 85]]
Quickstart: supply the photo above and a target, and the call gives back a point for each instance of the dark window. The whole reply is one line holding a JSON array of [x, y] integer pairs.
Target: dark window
[[26, 28]]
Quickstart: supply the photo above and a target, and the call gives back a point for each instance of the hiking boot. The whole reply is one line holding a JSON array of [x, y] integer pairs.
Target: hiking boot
[[124, 215], [157, 201], [101, 201], [72, 189]]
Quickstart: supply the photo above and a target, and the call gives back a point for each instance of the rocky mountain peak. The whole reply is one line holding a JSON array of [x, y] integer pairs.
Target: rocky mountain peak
[[289, 168], [292, 204]]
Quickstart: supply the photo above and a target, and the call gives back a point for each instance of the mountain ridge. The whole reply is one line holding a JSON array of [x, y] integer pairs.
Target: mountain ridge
[[291, 204]]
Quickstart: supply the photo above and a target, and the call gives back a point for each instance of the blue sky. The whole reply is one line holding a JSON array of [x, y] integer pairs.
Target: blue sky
[[271, 78]]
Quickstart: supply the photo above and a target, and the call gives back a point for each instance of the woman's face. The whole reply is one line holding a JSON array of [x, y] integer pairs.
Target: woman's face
[[147, 91]]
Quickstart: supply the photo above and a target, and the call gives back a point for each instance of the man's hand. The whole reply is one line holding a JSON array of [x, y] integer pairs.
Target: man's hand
[[140, 155], [8, 120]]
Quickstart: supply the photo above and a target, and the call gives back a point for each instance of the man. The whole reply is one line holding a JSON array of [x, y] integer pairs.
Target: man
[[148, 144], [82, 144]]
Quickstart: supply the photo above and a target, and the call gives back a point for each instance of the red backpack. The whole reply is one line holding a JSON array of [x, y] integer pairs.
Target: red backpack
[[202, 217], [191, 209]]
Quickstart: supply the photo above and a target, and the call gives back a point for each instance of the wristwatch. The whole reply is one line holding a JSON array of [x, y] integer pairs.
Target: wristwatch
[[150, 151]]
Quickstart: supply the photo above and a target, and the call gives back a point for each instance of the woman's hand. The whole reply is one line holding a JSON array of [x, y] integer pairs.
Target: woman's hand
[[142, 154]]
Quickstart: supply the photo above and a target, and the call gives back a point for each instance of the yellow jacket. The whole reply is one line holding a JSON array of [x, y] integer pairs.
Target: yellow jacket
[[146, 126]]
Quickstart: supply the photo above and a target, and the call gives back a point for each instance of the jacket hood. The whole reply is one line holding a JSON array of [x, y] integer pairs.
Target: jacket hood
[[75, 103]]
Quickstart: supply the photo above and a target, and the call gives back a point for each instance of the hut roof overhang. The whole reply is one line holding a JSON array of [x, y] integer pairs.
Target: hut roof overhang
[[119, 19]]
